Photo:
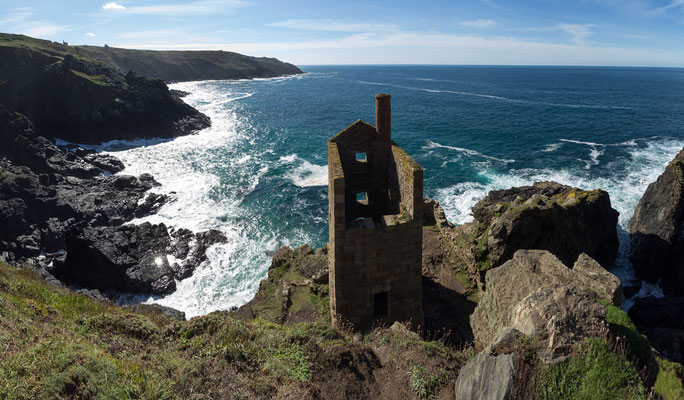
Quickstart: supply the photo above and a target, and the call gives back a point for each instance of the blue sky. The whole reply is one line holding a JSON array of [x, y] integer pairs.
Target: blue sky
[[496, 32]]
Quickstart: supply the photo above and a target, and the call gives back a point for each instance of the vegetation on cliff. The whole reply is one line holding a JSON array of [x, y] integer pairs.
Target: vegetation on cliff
[[190, 65], [69, 95]]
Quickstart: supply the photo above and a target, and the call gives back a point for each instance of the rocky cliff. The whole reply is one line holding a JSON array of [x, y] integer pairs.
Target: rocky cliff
[[656, 230], [174, 66], [70, 96]]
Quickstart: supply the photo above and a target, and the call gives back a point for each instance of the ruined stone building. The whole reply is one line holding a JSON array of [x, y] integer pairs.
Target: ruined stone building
[[375, 208]]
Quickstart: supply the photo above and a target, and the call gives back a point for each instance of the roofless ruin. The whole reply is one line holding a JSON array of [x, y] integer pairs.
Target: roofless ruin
[[375, 220]]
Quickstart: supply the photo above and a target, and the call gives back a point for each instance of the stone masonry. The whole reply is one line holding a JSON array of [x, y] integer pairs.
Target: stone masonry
[[375, 195]]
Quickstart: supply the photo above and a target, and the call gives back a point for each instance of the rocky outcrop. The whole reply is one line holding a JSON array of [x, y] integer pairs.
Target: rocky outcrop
[[141, 258], [84, 101], [487, 377], [538, 295], [61, 213], [563, 220], [657, 242], [295, 289]]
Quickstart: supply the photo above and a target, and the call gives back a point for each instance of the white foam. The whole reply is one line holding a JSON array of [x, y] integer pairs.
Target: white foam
[[305, 174], [552, 147], [434, 145], [630, 177], [501, 98]]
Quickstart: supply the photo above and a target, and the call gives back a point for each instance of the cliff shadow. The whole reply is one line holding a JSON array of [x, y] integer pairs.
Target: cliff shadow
[[447, 313]]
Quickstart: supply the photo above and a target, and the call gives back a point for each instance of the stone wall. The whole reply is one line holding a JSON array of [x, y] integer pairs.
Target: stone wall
[[375, 249]]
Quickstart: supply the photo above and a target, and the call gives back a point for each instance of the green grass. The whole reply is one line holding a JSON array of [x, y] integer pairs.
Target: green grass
[[57, 344], [596, 372], [424, 383], [620, 325], [670, 381]]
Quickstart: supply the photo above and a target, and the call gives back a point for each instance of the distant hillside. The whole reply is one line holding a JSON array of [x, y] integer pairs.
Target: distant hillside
[[190, 65], [67, 94]]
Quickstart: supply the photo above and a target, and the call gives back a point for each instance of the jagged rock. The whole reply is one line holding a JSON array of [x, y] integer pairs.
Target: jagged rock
[[487, 377], [506, 341], [133, 258], [558, 318], [564, 220], [523, 275], [597, 279], [657, 243]]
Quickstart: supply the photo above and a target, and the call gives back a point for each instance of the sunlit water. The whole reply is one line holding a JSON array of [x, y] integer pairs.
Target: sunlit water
[[259, 174]]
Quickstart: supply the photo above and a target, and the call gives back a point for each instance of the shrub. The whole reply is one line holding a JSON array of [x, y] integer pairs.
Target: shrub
[[425, 384]]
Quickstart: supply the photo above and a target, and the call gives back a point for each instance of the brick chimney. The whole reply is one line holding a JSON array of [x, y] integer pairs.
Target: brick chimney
[[383, 117]]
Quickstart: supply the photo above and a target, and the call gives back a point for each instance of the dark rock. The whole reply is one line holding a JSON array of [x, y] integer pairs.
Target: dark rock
[[128, 259], [166, 311], [152, 203], [657, 243], [662, 321], [133, 258], [632, 288], [563, 220], [105, 162], [83, 101], [664, 312], [92, 293]]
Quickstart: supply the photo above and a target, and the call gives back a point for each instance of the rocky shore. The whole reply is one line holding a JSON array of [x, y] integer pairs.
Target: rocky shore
[[64, 209]]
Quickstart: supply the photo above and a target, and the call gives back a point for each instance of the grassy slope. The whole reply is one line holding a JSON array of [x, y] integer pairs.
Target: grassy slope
[[56, 344], [190, 65]]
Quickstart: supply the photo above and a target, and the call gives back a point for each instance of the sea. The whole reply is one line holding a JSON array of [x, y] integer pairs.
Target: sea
[[259, 173]]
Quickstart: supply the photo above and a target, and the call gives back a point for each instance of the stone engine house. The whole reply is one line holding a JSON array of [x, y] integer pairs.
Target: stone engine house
[[375, 200]]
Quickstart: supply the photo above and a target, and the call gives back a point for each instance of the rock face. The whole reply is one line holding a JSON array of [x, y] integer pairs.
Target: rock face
[[657, 243], [560, 317], [662, 321], [487, 377], [84, 101], [295, 277], [61, 214], [134, 258], [537, 294], [563, 220]]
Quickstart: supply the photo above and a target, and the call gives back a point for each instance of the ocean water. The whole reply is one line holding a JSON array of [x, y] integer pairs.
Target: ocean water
[[259, 174]]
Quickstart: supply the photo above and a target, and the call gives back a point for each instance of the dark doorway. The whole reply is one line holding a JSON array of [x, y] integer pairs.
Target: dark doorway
[[380, 305]]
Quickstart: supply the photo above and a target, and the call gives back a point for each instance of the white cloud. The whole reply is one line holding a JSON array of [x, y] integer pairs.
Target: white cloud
[[490, 3], [435, 48], [673, 4], [41, 30], [201, 7], [113, 6], [478, 23], [90, 34], [579, 32], [16, 15], [332, 25]]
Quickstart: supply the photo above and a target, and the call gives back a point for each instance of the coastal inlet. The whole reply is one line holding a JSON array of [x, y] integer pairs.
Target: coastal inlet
[[259, 173]]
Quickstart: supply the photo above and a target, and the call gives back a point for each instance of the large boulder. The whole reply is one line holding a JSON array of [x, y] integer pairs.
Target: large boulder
[[558, 318], [561, 219], [487, 377], [530, 274], [657, 243]]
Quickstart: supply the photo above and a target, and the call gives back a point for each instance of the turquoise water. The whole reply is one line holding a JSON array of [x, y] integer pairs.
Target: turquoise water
[[259, 173]]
